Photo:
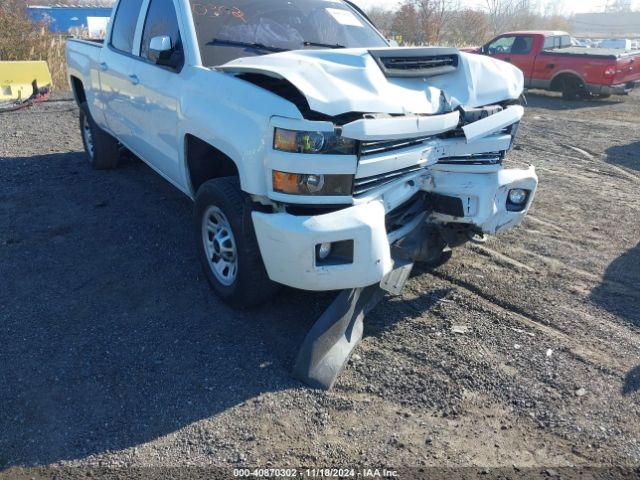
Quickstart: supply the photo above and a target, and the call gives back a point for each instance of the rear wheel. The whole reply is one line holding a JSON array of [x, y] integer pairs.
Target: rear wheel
[[101, 148], [227, 244], [573, 88]]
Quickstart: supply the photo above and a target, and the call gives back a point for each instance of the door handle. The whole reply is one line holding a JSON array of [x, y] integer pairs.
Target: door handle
[[507, 59], [550, 65], [103, 66], [134, 79]]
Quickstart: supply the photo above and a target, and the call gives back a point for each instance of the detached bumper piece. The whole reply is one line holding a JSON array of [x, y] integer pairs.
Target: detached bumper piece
[[328, 345], [330, 342]]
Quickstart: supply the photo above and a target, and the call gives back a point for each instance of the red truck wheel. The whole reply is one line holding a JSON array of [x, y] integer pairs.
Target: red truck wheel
[[573, 88]]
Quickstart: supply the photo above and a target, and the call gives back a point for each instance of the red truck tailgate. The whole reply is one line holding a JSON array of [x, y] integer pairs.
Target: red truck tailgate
[[627, 69]]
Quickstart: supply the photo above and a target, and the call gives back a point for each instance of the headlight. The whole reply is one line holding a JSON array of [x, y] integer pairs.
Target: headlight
[[312, 142], [311, 183]]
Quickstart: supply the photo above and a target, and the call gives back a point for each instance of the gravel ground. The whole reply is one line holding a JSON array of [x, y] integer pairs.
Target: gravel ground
[[116, 353]]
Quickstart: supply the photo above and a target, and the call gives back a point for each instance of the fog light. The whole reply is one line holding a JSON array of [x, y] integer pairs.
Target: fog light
[[331, 254], [324, 249], [314, 183], [517, 196]]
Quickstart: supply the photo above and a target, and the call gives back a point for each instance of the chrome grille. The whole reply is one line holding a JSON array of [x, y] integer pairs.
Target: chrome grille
[[494, 158], [382, 146], [361, 186]]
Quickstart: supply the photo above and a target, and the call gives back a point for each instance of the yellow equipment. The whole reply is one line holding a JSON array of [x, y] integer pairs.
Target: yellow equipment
[[20, 81]]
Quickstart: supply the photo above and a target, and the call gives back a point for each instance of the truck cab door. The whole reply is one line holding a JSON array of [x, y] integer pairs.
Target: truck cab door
[[116, 59], [156, 101], [514, 49]]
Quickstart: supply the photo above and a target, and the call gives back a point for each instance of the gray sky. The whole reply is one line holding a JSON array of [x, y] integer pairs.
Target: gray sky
[[563, 6]]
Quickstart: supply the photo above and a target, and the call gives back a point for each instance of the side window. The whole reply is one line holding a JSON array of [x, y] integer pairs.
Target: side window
[[521, 45], [557, 42], [548, 43], [162, 21], [124, 25], [501, 45]]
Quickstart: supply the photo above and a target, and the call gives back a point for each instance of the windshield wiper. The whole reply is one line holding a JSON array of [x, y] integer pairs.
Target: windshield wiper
[[256, 45], [317, 44]]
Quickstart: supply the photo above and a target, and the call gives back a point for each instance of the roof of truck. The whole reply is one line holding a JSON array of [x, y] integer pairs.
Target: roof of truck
[[546, 33]]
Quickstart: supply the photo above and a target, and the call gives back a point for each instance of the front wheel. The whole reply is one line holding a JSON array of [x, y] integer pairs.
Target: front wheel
[[101, 148], [227, 244]]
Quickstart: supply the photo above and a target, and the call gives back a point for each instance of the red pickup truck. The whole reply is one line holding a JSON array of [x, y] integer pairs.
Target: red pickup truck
[[550, 62]]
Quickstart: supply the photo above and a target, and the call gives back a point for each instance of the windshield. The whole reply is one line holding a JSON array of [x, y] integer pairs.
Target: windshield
[[227, 30]]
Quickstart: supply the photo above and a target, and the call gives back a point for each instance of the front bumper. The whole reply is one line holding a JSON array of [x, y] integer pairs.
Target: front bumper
[[288, 242]]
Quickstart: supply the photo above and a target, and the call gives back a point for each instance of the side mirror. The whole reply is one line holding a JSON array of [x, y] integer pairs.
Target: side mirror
[[160, 49]]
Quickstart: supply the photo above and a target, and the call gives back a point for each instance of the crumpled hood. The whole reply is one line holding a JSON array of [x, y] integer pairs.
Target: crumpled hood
[[349, 80]]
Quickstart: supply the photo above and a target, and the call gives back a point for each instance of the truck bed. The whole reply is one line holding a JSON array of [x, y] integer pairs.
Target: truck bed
[[608, 53]]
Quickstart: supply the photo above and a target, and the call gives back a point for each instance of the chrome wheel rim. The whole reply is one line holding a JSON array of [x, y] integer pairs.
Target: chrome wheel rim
[[86, 135], [219, 245]]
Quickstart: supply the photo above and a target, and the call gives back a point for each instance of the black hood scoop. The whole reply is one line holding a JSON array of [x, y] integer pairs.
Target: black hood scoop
[[416, 62]]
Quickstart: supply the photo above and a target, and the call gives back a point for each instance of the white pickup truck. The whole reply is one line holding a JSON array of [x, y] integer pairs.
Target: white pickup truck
[[313, 150]]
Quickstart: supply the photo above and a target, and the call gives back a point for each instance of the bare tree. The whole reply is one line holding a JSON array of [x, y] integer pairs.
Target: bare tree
[[432, 15], [467, 27], [405, 25], [507, 15], [381, 18], [619, 6]]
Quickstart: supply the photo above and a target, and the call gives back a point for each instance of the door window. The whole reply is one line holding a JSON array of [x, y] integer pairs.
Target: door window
[[518, 44], [162, 20], [124, 25]]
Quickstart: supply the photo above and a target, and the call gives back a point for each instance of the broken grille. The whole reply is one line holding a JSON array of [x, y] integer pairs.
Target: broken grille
[[361, 186], [494, 158], [382, 146]]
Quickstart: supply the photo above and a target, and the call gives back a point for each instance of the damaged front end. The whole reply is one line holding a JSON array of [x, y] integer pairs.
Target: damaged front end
[[397, 156]]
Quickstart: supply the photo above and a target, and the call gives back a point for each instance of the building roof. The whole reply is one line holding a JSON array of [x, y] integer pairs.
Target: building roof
[[607, 23]]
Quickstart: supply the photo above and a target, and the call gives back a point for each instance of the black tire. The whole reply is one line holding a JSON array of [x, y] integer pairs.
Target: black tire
[[251, 285], [439, 260], [573, 89], [105, 151]]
